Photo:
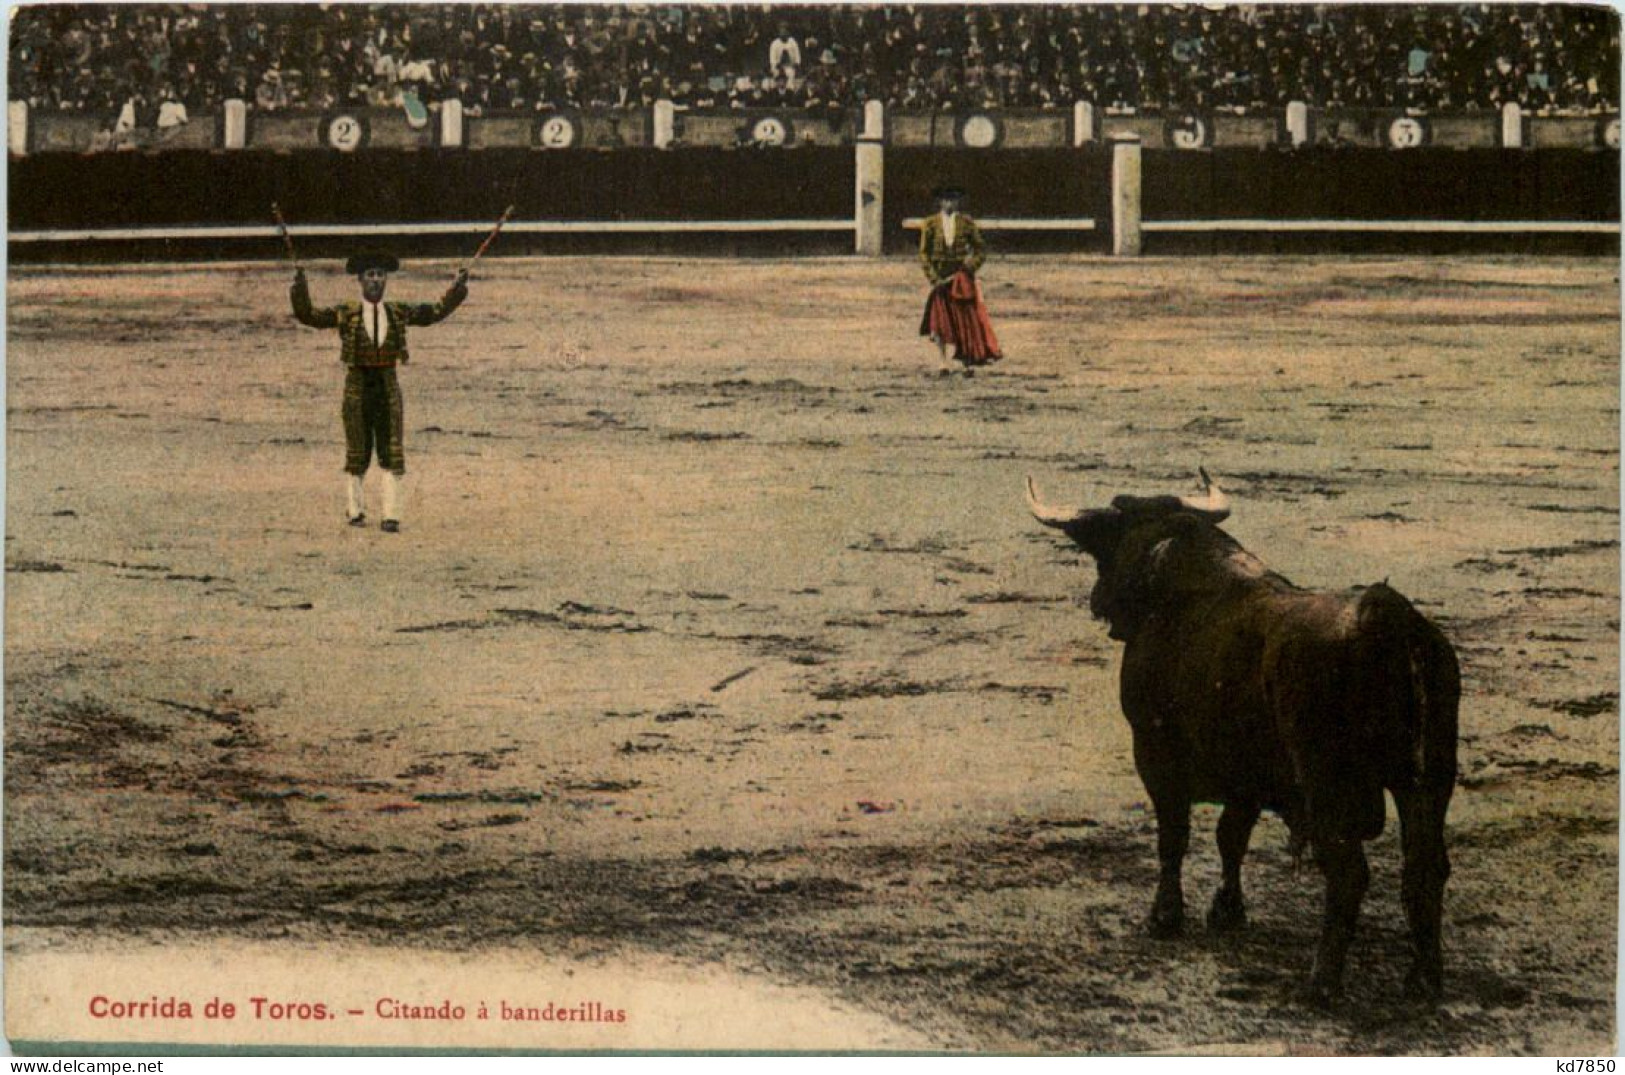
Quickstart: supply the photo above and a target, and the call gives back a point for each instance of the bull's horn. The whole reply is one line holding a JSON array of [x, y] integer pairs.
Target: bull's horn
[[1215, 505], [1046, 513]]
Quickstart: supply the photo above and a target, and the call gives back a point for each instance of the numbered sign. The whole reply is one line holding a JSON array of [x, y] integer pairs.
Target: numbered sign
[[344, 132], [770, 131], [1608, 132], [978, 131], [1407, 132], [1189, 132], [561, 130]]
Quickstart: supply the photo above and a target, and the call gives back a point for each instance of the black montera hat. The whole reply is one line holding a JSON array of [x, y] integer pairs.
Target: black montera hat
[[371, 259], [948, 193]]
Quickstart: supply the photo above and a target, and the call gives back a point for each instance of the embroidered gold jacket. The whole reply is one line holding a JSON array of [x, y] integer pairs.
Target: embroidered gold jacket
[[356, 347], [942, 259]]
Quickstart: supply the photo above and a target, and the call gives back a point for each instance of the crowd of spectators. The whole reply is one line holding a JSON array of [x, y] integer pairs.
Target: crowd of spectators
[[161, 64]]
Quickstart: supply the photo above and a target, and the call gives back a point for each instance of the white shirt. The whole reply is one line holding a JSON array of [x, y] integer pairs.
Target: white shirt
[[783, 50], [416, 71], [948, 228], [376, 319], [171, 114]]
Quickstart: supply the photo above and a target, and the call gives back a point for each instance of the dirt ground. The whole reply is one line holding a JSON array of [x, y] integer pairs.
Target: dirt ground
[[718, 631]]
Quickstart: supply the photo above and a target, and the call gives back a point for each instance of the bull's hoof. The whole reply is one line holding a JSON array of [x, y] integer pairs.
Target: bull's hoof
[[1166, 923], [1424, 984], [1228, 913]]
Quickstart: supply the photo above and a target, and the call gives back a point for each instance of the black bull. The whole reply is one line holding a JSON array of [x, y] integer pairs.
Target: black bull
[[1243, 689]]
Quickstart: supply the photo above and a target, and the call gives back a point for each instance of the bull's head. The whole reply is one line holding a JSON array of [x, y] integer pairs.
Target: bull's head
[[1148, 549]]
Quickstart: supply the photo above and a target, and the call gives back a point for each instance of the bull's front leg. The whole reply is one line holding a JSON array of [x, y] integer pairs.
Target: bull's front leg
[[1165, 781], [1173, 837]]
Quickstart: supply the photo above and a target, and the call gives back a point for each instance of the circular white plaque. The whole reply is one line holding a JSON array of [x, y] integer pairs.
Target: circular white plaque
[[558, 132], [1406, 132], [770, 131], [345, 133], [1189, 133], [979, 131]]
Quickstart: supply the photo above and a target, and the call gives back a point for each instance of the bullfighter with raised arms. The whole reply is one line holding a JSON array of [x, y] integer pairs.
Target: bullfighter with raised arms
[[372, 342]]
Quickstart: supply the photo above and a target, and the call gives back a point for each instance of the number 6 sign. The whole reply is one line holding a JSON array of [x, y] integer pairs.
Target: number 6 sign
[[1188, 132]]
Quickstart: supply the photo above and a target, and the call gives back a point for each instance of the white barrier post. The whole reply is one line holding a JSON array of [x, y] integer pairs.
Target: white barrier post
[[1511, 126], [236, 133], [874, 120], [1083, 123], [1297, 122], [1126, 195], [870, 197], [451, 123], [665, 123], [17, 127]]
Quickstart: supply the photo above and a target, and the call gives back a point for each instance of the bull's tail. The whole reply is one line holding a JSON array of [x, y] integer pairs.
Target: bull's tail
[[1413, 690]]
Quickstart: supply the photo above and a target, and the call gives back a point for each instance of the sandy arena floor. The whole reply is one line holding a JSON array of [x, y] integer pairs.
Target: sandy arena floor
[[719, 636]]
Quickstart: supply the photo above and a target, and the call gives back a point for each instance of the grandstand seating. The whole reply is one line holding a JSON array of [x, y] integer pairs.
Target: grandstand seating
[[159, 64]]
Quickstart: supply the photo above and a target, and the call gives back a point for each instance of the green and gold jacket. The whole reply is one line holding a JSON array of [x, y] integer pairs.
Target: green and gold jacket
[[355, 343], [939, 258]]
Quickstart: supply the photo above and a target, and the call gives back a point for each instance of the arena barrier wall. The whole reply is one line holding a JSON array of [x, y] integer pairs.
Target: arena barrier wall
[[630, 199], [1365, 200], [802, 199], [1026, 199]]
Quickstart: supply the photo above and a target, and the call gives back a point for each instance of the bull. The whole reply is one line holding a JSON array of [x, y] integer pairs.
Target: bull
[[1244, 690]]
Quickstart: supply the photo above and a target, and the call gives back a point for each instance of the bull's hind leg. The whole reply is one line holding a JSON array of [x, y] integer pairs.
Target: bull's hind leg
[[1427, 867], [1342, 861], [1229, 912]]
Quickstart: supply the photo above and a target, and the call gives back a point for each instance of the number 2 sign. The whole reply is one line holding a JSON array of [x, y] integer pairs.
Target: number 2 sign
[[558, 131], [344, 132]]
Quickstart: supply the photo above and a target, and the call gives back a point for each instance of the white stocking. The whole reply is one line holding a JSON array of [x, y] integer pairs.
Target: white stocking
[[355, 507], [392, 496]]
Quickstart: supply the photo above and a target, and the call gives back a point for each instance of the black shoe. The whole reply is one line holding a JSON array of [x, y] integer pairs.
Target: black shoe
[[358, 520], [390, 526]]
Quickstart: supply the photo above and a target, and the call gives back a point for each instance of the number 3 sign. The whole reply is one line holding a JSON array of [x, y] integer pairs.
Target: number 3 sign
[[1408, 132]]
